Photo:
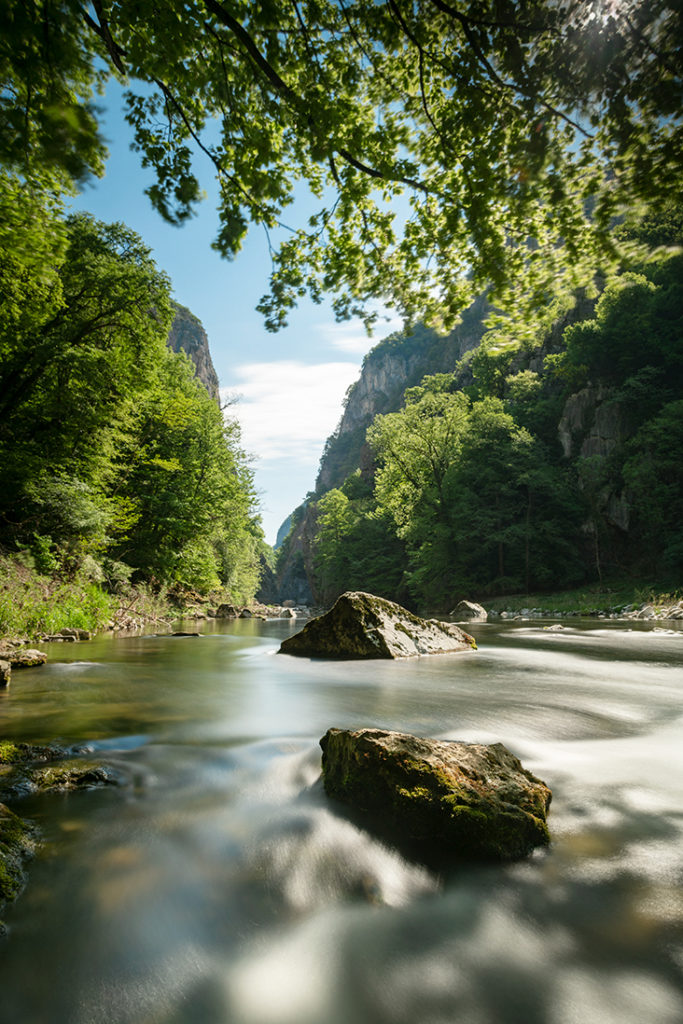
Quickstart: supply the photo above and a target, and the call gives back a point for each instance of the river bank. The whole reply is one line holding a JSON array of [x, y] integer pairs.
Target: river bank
[[41, 608], [38, 609], [619, 600]]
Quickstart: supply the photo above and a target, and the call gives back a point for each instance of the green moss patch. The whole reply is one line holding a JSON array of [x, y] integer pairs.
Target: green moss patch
[[471, 800], [17, 844]]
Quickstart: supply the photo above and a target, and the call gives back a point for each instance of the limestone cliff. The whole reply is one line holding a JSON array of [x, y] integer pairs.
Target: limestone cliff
[[592, 423], [594, 426], [188, 334], [394, 364], [294, 578]]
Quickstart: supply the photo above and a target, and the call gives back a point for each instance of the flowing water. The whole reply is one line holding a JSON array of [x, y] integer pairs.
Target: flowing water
[[216, 885]]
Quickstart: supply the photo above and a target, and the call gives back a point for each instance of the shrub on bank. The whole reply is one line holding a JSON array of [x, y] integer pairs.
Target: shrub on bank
[[33, 603]]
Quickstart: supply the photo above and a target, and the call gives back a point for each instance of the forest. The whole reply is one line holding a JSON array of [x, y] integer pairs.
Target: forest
[[116, 466]]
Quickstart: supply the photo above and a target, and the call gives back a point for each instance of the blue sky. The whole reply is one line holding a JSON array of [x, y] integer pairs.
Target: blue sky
[[289, 385]]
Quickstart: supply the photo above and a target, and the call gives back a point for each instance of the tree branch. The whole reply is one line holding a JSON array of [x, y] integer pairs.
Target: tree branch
[[464, 22], [102, 30]]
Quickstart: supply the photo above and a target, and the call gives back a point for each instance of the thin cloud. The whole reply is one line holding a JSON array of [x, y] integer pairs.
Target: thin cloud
[[287, 409], [350, 336]]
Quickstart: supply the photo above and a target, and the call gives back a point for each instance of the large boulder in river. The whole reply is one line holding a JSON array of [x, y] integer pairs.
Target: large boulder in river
[[469, 611], [364, 626], [468, 800]]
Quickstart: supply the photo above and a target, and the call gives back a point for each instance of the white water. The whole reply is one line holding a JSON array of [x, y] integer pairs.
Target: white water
[[218, 886]]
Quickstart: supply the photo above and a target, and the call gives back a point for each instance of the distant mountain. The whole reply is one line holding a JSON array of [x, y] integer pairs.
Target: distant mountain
[[188, 334], [283, 531]]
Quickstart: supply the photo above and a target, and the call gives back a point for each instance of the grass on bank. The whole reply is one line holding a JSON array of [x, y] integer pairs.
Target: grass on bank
[[32, 602], [606, 597]]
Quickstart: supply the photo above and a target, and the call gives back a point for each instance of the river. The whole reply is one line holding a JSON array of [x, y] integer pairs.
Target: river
[[216, 886]]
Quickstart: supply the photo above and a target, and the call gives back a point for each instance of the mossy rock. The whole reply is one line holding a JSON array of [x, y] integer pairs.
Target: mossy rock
[[22, 753], [27, 768], [468, 800], [17, 844], [26, 658], [364, 626]]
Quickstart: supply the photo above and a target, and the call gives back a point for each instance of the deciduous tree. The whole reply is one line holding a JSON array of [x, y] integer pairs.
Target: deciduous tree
[[510, 134]]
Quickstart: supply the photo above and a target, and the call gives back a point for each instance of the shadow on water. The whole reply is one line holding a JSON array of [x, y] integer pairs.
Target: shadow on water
[[219, 886]]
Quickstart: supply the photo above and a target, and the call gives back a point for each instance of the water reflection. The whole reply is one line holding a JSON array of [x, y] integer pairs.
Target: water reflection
[[218, 886]]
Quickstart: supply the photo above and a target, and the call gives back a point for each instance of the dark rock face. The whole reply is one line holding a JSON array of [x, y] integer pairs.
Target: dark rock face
[[188, 334], [295, 576], [592, 423], [594, 426], [468, 800], [268, 591], [364, 626], [5, 673]]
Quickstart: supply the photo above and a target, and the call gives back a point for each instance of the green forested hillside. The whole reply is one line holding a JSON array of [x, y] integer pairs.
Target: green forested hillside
[[500, 477], [115, 463]]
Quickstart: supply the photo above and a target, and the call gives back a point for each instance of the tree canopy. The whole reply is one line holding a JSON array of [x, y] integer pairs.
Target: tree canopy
[[111, 452], [452, 144]]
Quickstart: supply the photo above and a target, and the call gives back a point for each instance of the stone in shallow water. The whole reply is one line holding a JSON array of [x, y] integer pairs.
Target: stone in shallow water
[[17, 843], [26, 658], [470, 800], [469, 611], [364, 626], [28, 768]]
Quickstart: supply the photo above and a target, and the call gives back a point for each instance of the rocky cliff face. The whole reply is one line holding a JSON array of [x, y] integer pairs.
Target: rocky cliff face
[[592, 423], [593, 426], [294, 580], [188, 334], [396, 363]]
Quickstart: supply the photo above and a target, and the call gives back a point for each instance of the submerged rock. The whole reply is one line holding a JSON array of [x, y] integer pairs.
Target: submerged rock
[[27, 768], [364, 626], [469, 611], [470, 800]]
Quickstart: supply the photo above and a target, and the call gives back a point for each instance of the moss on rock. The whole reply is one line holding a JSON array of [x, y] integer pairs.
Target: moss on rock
[[364, 626], [29, 768], [475, 801], [17, 844]]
